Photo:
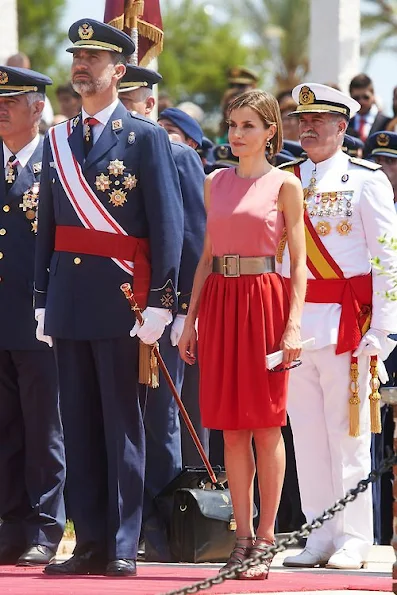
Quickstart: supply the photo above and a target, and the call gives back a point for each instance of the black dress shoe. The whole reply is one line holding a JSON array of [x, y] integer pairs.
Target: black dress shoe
[[36, 555], [122, 567], [9, 554], [87, 563]]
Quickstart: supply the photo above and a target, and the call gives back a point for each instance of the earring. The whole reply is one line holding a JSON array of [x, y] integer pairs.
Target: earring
[[268, 144]]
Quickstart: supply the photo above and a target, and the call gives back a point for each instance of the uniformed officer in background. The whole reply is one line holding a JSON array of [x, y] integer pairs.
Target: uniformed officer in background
[[349, 206], [161, 419], [111, 212], [32, 461]]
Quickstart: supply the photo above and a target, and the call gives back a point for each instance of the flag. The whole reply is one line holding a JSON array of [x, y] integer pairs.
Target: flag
[[121, 13]]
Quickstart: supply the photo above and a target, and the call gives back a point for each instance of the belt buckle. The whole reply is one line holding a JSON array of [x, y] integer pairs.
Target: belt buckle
[[231, 265]]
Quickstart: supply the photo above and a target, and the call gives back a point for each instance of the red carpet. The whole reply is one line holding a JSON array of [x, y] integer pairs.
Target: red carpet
[[160, 579]]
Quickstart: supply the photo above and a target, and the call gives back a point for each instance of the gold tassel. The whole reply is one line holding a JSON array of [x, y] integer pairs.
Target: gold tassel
[[281, 246], [154, 34], [354, 402], [374, 397], [148, 365]]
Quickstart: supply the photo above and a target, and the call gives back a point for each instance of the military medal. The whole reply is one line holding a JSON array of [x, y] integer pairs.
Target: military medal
[[102, 182], [30, 214], [344, 228], [131, 138], [117, 198], [129, 182], [323, 228], [30, 201], [116, 168]]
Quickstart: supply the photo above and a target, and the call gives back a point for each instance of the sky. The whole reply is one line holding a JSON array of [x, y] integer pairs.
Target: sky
[[379, 68]]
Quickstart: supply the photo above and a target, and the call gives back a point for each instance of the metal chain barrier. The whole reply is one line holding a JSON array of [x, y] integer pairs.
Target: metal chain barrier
[[304, 532]]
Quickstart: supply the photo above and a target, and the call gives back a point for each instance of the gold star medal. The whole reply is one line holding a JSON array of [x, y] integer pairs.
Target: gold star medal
[[102, 182], [323, 228], [129, 182], [34, 226], [117, 198], [116, 168], [344, 227]]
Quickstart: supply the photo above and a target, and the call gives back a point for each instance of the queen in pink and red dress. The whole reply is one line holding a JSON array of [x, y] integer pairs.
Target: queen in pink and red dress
[[245, 313]]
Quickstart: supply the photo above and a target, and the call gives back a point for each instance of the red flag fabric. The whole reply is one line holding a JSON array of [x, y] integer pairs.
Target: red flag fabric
[[121, 14]]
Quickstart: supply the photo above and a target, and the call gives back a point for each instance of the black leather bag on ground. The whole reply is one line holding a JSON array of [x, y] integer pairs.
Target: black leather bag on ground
[[202, 526], [157, 532]]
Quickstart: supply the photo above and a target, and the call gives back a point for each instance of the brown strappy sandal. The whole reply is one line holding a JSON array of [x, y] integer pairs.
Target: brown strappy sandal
[[239, 553], [261, 570]]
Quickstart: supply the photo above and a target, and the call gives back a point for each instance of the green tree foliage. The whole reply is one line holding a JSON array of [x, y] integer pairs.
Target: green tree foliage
[[282, 27], [40, 37], [198, 50], [379, 18]]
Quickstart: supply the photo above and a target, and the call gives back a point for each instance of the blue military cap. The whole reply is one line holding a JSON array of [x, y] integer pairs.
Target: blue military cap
[[205, 151], [382, 143], [137, 76], [291, 146], [284, 156], [223, 156], [352, 145], [16, 81], [94, 35], [186, 123]]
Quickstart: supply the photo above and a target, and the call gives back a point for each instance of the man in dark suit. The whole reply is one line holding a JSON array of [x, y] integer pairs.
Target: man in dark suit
[[32, 462], [110, 213], [369, 119], [163, 431]]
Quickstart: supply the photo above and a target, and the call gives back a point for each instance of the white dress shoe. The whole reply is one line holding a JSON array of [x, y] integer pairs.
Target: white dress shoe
[[345, 560], [306, 559]]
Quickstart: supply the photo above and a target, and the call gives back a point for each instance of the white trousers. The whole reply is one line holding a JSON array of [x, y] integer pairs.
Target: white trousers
[[329, 461]]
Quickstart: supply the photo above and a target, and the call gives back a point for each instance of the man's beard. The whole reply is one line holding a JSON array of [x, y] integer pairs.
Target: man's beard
[[91, 86]]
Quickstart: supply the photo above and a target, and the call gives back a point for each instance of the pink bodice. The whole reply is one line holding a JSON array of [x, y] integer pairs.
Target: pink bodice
[[243, 217]]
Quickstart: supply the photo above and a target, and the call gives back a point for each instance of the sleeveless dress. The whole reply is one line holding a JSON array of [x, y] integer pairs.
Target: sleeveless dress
[[241, 319]]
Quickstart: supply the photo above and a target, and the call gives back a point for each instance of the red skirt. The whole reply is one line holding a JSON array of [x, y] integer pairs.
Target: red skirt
[[240, 321]]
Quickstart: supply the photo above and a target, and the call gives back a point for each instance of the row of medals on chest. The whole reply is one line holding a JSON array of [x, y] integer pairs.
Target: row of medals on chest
[[30, 199], [336, 203]]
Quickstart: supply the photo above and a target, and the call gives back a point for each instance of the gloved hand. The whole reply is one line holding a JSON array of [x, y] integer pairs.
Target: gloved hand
[[374, 342], [177, 329], [154, 322], [39, 315]]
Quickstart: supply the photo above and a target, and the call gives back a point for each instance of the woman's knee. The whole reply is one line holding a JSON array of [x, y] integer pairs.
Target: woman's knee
[[237, 438]]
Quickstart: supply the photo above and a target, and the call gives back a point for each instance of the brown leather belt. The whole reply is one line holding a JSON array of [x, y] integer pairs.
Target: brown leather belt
[[233, 265]]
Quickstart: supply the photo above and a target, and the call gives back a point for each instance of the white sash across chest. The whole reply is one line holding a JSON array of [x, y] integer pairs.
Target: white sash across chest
[[88, 208]]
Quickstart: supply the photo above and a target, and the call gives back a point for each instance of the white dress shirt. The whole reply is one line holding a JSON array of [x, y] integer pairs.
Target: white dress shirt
[[103, 118], [22, 156]]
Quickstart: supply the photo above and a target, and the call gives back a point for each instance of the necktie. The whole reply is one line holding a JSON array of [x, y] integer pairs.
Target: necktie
[[12, 172], [88, 134], [361, 129]]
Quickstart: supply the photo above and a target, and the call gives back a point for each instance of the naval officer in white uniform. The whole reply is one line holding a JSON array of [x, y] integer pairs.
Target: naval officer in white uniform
[[349, 206]]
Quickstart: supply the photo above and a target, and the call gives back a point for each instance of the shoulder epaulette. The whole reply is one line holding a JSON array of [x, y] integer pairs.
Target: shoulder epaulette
[[137, 116], [292, 163], [365, 163]]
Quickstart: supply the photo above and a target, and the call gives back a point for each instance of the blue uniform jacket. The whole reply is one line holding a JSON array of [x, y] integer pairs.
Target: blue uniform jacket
[[17, 247], [191, 178], [81, 293]]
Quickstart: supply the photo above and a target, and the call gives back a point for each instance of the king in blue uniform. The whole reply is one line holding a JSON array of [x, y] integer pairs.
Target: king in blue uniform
[[161, 419], [32, 461], [110, 201]]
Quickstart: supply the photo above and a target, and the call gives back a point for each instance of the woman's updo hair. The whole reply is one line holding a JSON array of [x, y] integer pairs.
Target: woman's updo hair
[[267, 108]]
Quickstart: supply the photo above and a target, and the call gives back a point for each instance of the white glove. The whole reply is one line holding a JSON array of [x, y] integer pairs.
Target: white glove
[[177, 329], [154, 322], [374, 342], [39, 315]]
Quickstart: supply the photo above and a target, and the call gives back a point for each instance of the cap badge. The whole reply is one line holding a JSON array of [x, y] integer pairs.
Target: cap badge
[[3, 77], [382, 140], [306, 96], [223, 152], [85, 31], [235, 72], [131, 138]]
